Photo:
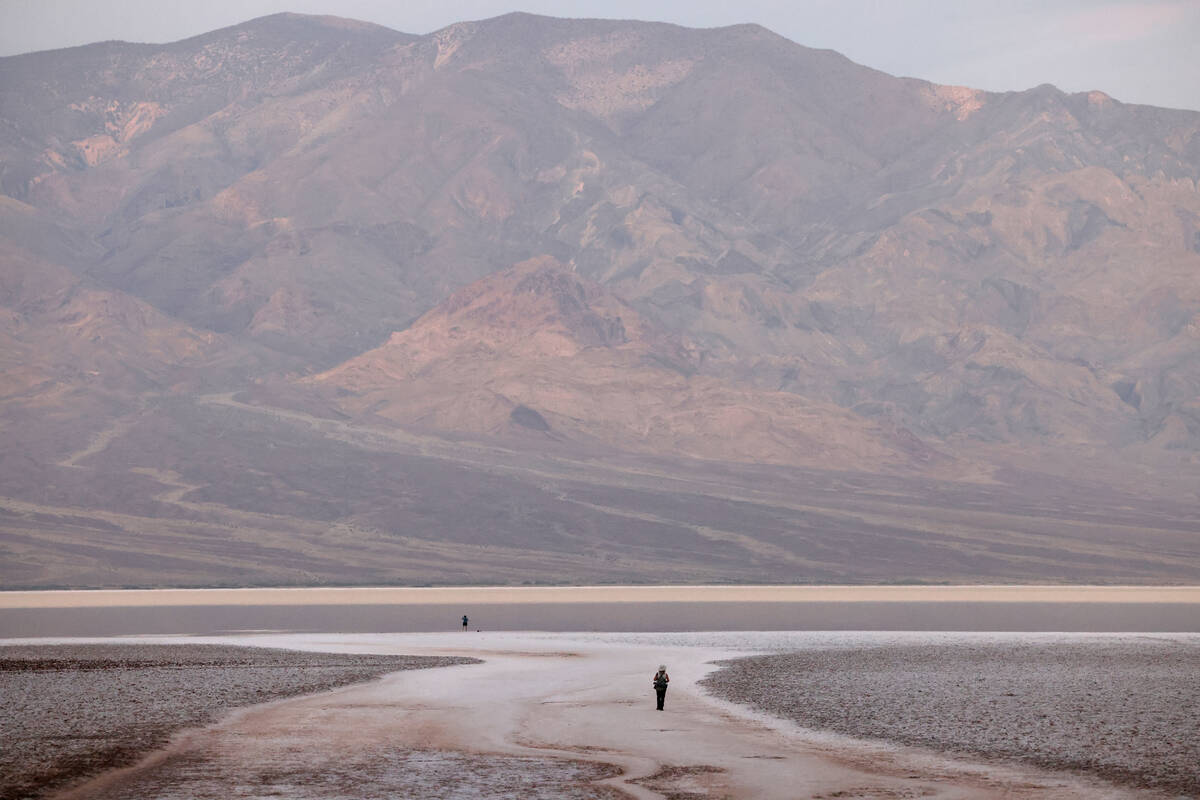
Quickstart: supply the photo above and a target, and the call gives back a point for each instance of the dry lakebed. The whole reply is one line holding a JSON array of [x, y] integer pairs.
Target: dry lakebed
[[768, 714]]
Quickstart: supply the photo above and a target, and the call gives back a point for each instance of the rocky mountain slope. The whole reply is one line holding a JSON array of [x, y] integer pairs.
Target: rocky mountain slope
[[539, 348], [615, 245]]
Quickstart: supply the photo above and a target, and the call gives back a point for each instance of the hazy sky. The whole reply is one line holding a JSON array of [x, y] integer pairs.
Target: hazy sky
[[1144, 51]]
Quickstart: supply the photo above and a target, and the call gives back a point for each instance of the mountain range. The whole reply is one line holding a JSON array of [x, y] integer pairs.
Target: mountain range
[[308, 300]]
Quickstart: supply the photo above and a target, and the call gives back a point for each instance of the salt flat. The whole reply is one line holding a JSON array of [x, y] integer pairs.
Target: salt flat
[[567, 698], [70, 712]]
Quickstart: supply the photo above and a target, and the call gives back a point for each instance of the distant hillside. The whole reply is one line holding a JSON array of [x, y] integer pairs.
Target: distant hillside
[[309, 300]]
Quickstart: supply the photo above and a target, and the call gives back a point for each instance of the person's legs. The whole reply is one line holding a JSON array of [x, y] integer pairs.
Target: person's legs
[[662, 695]]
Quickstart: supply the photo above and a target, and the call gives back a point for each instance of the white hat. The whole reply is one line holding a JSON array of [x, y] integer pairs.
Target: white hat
[[662, 667]]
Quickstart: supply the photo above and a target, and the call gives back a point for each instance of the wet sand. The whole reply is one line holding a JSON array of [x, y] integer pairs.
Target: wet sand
[[558, 700]]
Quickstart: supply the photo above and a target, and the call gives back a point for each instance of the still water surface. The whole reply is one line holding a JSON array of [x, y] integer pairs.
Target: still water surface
[[601, 616]]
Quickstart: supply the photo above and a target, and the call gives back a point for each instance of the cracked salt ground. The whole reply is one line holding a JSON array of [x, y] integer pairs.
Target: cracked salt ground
[[547, 716], [71, 711], [1127, 709]]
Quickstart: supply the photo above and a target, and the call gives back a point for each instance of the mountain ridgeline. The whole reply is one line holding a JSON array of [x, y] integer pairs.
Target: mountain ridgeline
[[309, 300]]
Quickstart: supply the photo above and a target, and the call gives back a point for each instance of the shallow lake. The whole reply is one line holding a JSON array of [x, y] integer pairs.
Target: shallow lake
[[604, 616]]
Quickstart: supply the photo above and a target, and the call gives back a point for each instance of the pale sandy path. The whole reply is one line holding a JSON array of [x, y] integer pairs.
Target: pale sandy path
[[577, 697]]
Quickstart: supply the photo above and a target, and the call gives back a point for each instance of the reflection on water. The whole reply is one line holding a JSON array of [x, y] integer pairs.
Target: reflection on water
[[709, 616]]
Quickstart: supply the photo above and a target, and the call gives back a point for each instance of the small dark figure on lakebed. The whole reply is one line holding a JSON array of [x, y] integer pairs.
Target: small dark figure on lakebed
[[660, 681], [465, 622]]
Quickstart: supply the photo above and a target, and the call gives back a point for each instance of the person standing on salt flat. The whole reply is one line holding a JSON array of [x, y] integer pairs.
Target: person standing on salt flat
[[660, 681]]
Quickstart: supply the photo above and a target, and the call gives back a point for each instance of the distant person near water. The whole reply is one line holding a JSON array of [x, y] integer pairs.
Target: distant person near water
[[660, 681], [465, 620]]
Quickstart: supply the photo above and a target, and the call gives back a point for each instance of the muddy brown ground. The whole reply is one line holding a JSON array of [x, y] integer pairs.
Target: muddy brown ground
[[1127, 710], [369, 773], [68, 712]]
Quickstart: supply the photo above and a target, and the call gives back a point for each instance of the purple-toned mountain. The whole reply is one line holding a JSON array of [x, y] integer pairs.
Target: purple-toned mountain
[[730, 248], [539, 348]]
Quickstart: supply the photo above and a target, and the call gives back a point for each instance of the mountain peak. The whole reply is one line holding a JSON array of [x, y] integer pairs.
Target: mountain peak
[[288, 25]]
